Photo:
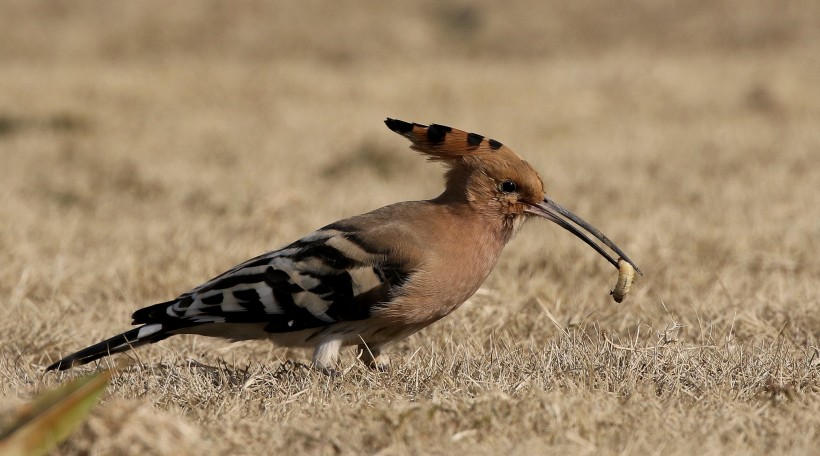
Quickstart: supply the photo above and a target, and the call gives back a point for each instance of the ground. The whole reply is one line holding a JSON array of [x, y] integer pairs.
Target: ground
[[146, 147]]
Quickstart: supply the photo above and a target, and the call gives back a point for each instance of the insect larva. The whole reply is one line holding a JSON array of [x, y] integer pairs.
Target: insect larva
[[625, 275]]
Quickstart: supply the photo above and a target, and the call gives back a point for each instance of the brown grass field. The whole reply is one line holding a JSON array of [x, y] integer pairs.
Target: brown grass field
[[148, 146]]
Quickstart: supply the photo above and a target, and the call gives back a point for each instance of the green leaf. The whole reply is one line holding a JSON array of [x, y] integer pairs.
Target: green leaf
[[50, 418]]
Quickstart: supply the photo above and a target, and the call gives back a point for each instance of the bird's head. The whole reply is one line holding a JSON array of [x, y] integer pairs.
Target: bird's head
[[495, 181]]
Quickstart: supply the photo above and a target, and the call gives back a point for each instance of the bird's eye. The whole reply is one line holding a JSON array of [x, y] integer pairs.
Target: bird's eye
[[508, 186]]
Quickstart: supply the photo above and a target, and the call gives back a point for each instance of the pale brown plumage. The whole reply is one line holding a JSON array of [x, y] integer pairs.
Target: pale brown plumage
[[374, 278]]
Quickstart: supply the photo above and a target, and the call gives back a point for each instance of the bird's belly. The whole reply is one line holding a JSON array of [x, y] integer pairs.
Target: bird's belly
[[351, 333]]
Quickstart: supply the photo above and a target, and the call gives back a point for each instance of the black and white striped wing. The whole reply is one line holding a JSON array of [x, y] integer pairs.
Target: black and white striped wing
[[324, 278]]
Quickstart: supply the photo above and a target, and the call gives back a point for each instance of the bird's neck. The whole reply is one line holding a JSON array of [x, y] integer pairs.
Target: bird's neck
[[498, 230]]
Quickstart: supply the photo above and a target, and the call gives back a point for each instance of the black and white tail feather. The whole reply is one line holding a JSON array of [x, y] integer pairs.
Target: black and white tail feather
[[314, 291]]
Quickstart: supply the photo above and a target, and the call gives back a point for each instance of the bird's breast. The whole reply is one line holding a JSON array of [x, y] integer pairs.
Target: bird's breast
[[454, 266]]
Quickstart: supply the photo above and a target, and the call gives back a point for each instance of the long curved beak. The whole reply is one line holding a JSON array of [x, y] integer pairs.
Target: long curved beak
[[550, 210]]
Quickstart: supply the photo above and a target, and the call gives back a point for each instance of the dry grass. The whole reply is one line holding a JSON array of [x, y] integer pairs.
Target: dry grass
[[145, 147]]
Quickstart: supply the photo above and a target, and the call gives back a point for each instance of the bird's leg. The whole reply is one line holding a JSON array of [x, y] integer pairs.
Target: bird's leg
[[326, 355], [374, 357]]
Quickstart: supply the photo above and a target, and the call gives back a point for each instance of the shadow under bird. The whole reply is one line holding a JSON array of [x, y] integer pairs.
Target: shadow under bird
[[371, 279]]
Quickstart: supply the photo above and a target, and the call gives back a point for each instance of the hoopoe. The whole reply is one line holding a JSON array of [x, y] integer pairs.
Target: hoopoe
[[374, 278]]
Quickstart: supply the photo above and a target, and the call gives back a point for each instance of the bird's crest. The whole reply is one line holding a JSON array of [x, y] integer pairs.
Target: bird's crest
[[471, 154], [449, 145]]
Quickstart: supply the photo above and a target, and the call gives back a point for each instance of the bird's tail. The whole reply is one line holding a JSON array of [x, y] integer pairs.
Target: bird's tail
[[146, 334]]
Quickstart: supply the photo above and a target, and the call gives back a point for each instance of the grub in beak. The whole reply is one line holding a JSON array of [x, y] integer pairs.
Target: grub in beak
[[550, 210]]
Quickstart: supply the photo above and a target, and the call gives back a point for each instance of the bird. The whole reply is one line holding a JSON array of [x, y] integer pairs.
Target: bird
[[375, 278]]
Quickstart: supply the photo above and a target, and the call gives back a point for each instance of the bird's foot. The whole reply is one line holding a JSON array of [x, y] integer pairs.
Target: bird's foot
[[329, 371], [374, 358]]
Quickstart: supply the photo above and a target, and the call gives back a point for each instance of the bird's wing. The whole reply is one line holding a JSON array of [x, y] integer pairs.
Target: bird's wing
[[331, 275], [343, 272]]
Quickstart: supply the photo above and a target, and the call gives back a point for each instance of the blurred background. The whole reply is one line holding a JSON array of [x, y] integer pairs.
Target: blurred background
[[147, 146]]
